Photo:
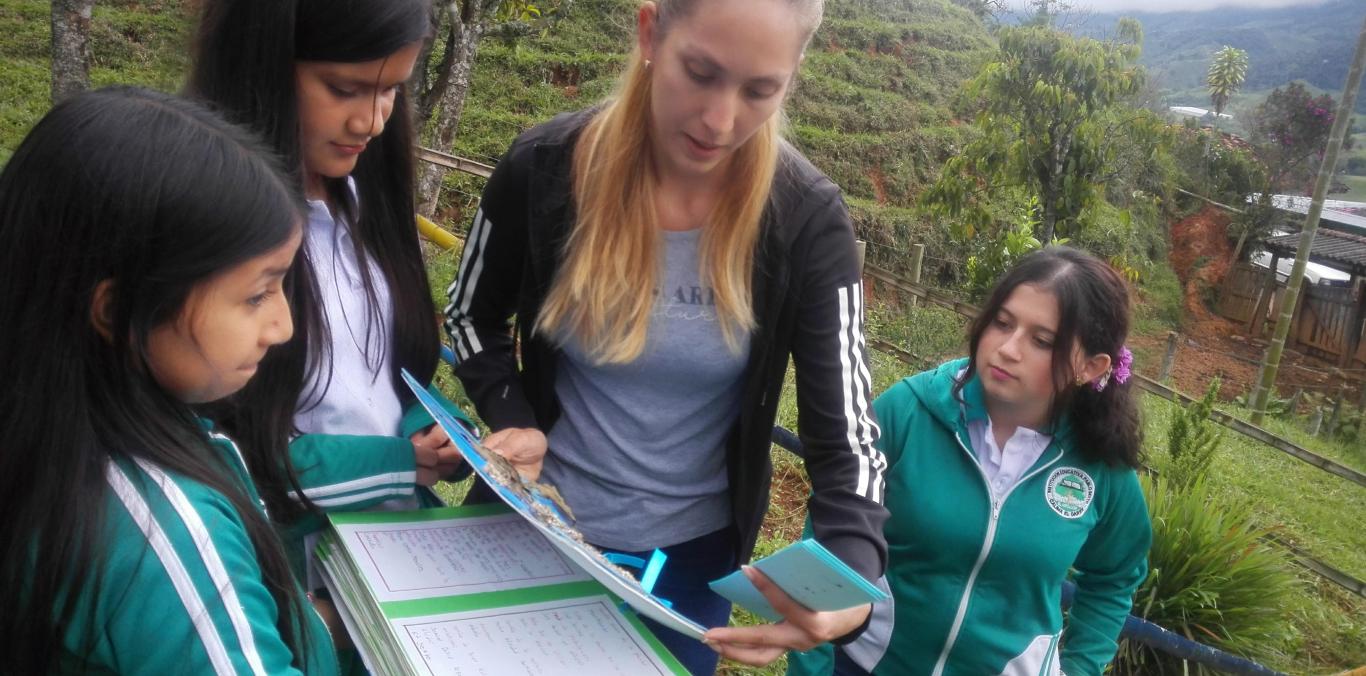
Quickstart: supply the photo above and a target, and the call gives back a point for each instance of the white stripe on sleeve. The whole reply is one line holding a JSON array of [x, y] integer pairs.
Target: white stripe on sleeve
[[471, 269], [180, 578], [851, 417], [869, 428], [390, 492], [404, 479], [212, 562]]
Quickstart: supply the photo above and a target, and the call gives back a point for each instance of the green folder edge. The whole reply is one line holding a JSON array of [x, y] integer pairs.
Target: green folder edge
[[397, 610]]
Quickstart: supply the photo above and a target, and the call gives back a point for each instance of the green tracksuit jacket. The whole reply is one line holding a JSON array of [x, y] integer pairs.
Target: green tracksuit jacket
[[976, 583], [182, 592]]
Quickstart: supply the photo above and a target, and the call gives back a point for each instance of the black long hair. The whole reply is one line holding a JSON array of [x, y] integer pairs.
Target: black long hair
[[244, 60], [1093, 311], [155, 195]]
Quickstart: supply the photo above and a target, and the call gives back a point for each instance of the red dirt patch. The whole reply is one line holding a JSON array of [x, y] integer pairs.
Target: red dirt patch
[[1217, 347], [1201, 256], [1210, 346], [562, 75], [879, 180]]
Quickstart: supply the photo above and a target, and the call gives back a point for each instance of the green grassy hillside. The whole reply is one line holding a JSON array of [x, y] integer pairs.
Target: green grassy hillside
[[132, 42], [873, 107]]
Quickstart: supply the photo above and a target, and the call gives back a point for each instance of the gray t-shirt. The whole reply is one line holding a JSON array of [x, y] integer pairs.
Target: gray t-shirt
[[639, 449]]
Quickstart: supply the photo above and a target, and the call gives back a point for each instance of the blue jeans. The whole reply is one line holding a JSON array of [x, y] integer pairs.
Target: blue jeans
[[683, 582], [845, 666]]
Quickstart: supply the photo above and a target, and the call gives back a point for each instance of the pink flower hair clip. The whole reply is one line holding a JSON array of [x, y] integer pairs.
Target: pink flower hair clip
[[1119, 370]]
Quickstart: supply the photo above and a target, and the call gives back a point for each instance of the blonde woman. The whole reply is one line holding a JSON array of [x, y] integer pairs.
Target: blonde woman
[[665, 254]]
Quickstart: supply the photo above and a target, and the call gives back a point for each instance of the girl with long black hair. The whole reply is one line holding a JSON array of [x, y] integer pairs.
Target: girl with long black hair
[[323, 82], [144, 271]]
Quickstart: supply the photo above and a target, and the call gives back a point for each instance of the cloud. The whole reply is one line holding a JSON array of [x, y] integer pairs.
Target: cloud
[[1105, 6]]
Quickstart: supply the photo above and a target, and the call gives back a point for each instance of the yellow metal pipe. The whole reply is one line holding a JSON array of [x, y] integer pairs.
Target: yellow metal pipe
[[435, 233]]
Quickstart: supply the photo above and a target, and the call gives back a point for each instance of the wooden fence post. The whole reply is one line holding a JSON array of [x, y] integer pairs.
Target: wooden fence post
[[1168, 359], [1316, 422], [917, 264], [1295, 401], [1337, 409], [862, 247], [1265, 302]]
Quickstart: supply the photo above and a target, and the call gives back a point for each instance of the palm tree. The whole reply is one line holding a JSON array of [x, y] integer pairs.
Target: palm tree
[[1226, 74]]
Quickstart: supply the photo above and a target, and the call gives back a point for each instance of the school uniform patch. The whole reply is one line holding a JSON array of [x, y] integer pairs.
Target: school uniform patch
[[1069, 492]]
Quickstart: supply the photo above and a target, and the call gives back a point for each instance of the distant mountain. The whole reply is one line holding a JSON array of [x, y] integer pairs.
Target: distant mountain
[[1312, 43]]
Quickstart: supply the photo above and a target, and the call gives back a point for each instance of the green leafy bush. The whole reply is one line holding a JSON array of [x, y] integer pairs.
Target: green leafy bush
[[1192, 440], [993, 256], [1212, 578]]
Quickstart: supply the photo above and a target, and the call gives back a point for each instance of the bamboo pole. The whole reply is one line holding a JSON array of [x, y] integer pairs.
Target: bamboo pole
[[1272, 362]]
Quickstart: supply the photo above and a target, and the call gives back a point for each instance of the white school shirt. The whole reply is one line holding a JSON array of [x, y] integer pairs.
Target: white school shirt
[[1004, 467], [360, 397]]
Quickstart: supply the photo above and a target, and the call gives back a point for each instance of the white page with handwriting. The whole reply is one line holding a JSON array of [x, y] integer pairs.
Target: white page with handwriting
[[430, 559], [586, 635]]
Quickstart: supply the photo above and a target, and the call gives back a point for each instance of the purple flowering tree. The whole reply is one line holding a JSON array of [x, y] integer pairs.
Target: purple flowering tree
[[1289, 131]]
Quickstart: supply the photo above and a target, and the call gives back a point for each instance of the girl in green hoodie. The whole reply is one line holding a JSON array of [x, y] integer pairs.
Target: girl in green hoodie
[[148, 248], [1008, 471]]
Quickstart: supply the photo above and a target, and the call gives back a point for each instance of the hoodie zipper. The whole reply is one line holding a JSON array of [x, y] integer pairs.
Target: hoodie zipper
[[986, 547]]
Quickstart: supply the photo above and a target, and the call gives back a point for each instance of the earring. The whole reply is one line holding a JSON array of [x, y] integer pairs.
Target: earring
[[647, 64]]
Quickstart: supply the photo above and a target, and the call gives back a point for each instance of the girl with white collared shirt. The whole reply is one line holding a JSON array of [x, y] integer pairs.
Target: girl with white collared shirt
[[1007, 470], [325, 86]]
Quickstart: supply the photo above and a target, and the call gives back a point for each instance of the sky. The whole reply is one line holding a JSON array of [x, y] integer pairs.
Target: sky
[[1103, 6]]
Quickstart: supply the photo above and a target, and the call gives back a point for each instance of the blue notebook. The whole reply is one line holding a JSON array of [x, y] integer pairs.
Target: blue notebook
[[809, 573]]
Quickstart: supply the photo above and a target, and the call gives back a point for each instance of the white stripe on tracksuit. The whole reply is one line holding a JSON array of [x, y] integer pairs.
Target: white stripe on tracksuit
[[342, 501], [471, 268], [856, 381], [180, 578], [212, 562], [403, 480]]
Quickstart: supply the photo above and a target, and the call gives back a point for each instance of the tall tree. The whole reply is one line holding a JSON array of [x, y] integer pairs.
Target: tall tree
[[70, 47], [1043, 126], [1226, 74], [1289, 131], [440, 86]]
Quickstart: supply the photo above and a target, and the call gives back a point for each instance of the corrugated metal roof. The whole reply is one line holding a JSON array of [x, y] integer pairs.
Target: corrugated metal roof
[[1300, 205], [1338, 250]]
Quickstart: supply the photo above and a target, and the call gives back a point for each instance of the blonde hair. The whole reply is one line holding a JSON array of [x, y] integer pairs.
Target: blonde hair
[[604, 292]]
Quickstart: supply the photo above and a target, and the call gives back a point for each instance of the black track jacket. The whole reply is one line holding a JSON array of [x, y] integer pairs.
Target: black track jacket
[[808, 301]]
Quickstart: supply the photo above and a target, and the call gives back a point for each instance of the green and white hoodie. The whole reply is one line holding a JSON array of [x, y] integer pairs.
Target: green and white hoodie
[[977, 582], [181, 590]]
